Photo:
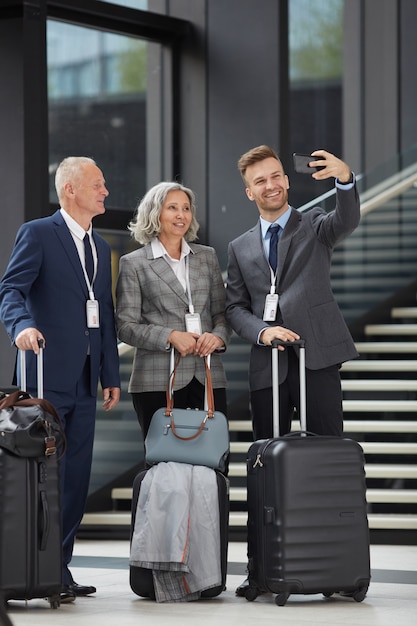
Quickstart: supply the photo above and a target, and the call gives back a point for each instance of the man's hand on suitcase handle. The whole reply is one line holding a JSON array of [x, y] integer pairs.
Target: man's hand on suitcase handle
[[280, 333], [276, 343], [30, 339]]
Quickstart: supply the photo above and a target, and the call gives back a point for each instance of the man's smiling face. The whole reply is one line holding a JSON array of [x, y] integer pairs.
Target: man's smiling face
[[267, 185]]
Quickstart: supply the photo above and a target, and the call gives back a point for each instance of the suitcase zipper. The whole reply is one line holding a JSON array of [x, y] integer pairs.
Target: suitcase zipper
[[258, 460]]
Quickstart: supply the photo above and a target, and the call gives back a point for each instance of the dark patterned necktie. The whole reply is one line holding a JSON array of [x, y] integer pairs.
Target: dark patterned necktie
[[89, 261], [273, 245]]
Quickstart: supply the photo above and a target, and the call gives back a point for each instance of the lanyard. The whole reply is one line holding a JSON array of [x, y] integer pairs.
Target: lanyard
[[273, 275], [273, 279], [90, 285], [187, 283]]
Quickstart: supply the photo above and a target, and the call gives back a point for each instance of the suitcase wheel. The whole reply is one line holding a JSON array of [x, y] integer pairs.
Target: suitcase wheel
[[251, 594], [360, 594], [281, 598], [328, 594], [55, 602]]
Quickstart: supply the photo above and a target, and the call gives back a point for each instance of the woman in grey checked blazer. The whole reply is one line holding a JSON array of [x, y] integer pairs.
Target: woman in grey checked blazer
[[170, 293]]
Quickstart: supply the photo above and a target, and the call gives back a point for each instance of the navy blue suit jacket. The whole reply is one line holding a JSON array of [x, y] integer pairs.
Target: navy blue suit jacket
[[44, 287]]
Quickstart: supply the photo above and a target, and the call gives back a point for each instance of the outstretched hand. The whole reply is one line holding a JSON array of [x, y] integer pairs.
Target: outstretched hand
[[332, 167]]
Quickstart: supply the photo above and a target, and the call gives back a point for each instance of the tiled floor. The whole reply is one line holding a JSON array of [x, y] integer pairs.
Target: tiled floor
[[391, 599]]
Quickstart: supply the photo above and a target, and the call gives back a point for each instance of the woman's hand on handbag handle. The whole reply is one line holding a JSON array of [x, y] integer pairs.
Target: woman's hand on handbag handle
[[184, 342], [208, 343]]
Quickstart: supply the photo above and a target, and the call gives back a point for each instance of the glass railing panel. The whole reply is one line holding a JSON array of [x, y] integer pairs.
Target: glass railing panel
[[380, 257], [380, 179], [118, 443]]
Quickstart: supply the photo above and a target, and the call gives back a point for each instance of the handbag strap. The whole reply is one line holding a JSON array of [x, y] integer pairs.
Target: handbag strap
[[209, 395], [209, 411]]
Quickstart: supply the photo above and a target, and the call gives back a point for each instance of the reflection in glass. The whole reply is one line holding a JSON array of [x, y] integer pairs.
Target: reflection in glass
[[316, 37], [315, 86], [132, 4], [97, 106]]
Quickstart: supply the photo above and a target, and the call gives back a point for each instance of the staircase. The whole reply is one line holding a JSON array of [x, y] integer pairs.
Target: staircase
[[378, 259], [380, 408]]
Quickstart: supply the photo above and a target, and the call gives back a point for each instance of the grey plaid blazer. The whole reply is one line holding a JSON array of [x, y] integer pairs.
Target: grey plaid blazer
[[151, 302]]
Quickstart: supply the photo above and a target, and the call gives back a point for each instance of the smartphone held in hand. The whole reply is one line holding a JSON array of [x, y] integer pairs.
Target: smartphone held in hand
[[301, 163]]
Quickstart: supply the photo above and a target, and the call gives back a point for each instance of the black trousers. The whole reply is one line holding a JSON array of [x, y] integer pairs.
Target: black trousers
[[323, 402]]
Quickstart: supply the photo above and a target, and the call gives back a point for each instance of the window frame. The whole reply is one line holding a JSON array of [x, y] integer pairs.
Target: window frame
[[167, 31]]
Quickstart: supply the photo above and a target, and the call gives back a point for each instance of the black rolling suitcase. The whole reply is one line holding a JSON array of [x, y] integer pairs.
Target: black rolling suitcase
[[141, 579], [30, 523], [307, 522]]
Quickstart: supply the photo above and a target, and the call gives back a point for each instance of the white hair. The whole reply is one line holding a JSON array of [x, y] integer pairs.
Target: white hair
[[69, 170]]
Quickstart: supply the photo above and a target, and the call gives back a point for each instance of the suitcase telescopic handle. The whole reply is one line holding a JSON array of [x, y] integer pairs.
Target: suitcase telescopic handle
[[297, 342], [275, 384], [22, 355]]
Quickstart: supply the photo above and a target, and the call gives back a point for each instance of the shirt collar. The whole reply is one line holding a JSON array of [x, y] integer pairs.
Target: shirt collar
[[282, 221], [158, 250], [74, 226]]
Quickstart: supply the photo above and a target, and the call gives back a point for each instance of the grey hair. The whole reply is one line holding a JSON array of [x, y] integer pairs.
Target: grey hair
[[146, 224], [69, 170]]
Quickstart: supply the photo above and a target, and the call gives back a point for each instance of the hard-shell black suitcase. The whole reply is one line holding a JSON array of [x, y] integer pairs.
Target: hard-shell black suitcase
[[30, 524], [141, 579], [307, 522]]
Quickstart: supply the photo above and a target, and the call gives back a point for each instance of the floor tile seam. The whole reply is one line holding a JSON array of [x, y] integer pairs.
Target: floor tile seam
[[235, 568]]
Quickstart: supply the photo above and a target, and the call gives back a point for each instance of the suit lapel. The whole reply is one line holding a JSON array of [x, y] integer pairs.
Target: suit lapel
[[194, 270], [286, 239], [257, 250], [165, 273], [100, 255], [69, 248]]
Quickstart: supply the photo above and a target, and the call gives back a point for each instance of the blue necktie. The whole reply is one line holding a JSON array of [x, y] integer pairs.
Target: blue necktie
[[89, 261], [273, 244]]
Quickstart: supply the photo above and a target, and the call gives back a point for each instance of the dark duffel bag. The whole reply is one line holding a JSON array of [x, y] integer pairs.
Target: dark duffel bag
[[29, 426]]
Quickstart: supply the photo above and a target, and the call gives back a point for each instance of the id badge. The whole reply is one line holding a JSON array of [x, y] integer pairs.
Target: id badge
[[193, 323], [271, 305], [93, 320]]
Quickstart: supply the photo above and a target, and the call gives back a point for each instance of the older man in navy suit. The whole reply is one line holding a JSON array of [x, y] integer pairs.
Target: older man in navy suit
[[57, 288]]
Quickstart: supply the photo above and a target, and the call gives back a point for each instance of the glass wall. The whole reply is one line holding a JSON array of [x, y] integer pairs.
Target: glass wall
[[132, 4], [97, 87], [315, 85]]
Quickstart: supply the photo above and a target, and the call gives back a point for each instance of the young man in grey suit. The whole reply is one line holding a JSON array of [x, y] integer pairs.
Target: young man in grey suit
[[293, 299]]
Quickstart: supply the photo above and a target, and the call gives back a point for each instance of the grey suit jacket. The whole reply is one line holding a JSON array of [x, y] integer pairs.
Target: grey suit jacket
[[306, 302], [151, 302]]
